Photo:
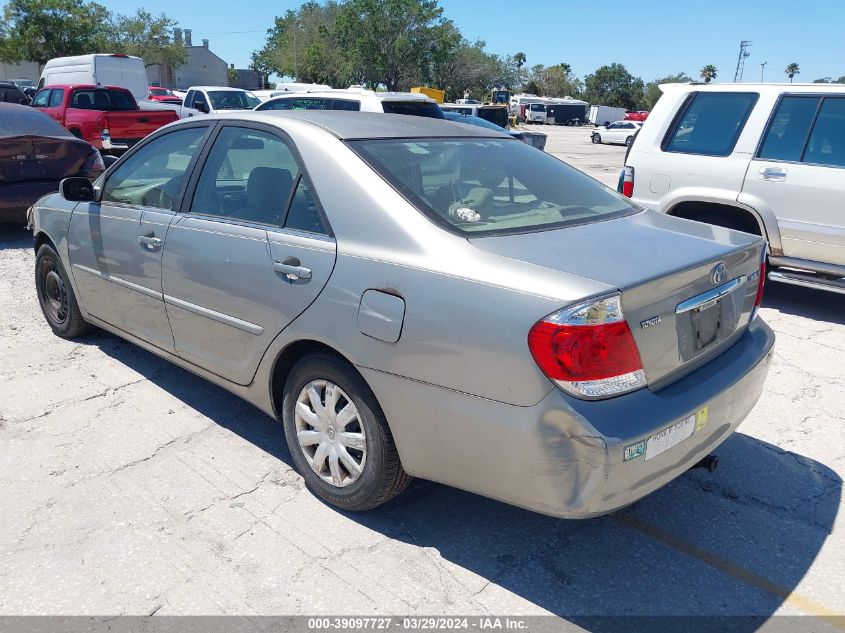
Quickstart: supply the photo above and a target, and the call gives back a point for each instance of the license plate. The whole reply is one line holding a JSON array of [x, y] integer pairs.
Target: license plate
[[707, 323], [669, 437]]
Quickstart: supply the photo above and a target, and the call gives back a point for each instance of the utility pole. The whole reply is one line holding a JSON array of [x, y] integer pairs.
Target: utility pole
[[740, 63], [762, 68]]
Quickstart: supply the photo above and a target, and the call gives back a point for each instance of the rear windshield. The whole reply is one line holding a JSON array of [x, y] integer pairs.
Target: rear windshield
[[103, 99], [25, 121], [490, 186], [229, 100], [414, 108]]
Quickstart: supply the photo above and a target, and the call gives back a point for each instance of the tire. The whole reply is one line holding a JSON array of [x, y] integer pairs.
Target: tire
[[596, 138], [629, 141], [56, 297], [381, 476]]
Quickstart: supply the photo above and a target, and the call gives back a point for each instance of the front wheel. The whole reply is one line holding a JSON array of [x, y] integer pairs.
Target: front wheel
[[338, 436], [55, 295], [596, 138]]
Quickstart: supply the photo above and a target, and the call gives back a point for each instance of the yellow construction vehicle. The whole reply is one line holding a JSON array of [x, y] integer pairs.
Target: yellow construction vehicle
[[434, 93]]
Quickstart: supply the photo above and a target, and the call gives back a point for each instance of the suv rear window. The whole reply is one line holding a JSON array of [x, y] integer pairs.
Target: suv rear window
[[413, 108], [102, 99], [489, 186], [710, 123]]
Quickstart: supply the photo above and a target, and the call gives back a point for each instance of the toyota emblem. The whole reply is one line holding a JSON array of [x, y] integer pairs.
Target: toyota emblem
[[719, 273]]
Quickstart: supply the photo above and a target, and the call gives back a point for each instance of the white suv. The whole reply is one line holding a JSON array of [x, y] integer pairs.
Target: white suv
[[767, 159], [357, 99]]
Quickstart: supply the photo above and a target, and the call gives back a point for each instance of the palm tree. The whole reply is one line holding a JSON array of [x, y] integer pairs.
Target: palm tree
[[708, 73], [519, 59], [791, 71]]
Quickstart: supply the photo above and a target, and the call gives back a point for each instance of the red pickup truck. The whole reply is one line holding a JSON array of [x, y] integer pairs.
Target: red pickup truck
[[108, 117]]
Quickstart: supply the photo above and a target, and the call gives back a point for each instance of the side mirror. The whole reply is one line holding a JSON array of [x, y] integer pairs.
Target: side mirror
[[77, 190], [202, 107], [109, 160]]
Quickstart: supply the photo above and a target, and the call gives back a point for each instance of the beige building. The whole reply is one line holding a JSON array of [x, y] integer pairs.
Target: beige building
[[201, 68]]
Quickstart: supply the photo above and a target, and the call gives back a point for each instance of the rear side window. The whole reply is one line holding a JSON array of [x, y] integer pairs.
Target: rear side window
[[827, 141], [789, 129], [710, 123]]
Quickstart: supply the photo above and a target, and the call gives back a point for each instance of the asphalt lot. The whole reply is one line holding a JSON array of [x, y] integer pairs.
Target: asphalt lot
[[129, 486]]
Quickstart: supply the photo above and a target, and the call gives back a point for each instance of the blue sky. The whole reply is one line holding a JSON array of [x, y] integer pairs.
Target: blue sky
[[652, 38]]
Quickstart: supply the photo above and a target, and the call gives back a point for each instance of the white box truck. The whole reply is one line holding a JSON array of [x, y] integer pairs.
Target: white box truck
[[603, 115]]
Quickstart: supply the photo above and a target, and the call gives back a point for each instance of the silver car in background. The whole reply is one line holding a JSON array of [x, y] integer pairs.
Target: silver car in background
[[415, 297]]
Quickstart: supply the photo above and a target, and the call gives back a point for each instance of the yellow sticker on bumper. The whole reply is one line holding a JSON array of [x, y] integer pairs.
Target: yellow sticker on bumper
[[701, 419]]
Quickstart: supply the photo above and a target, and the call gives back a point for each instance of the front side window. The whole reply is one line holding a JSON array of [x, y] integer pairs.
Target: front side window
[[249, 175], [229, 100], [56, 97], [41, 99], [711, 123], [789, 129], [490, 186], [153, 176], [827, 141]]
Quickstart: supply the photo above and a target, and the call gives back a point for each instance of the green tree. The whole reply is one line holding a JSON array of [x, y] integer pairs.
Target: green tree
[[652, 92], [393, 42], [708, 73], [613, 86], [823, 80], [147, 36], [559, 81], [519, 59], [791, 70], [471, 70], [303, 44], [39, 30]]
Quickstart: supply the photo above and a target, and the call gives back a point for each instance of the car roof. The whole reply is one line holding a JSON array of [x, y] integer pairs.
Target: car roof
[[368, 125], [776, 88], [226, 88]]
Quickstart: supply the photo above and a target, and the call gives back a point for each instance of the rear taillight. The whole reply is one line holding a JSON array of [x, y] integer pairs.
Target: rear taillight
[[758, 300], [588, 349], [94, 165], [626, 182]]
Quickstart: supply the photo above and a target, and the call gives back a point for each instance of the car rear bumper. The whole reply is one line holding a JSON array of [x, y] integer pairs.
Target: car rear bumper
[[16, 198], [566, 457]]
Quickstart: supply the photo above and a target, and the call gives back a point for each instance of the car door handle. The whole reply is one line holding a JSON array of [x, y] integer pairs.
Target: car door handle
[[292, 269], [150, 241], [775, 174]]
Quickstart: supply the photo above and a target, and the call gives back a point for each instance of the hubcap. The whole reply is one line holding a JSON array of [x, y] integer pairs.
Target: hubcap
[[54, 293], [330, 433]]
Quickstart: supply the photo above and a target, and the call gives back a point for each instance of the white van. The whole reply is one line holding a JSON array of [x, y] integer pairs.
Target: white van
[[103, 69]]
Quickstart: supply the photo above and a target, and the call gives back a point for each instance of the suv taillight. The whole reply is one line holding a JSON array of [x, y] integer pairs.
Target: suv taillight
[[758, 300], [625, 186], [588, 349]]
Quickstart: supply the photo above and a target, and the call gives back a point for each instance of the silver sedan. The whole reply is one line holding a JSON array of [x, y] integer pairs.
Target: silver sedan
[[414, 297]]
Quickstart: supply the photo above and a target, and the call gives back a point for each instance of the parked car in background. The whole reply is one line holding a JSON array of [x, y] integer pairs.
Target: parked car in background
[[201, 100], [495, 114], [766, 159], [535, 139], [36, 153], [620, 133], [11, 93], [415, 297], [357, 99], [640, 115], [106, 116], [164, 95]]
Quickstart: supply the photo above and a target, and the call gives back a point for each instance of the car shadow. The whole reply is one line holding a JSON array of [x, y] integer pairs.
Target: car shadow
[[818, 305], [13, 236], [730, 545]]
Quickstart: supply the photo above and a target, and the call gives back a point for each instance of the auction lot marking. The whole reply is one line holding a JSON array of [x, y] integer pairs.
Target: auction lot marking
[[738, 572]]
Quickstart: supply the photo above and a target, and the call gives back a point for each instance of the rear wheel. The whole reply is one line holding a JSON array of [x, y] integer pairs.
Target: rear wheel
[[629, 141], [596, 138], [338, 436], [55, 295]]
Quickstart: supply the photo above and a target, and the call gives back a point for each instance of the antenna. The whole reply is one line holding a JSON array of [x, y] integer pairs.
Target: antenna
[[740, 63]]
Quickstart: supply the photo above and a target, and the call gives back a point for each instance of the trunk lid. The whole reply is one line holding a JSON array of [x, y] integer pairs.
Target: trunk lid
[[33, 158], [679, 315]]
